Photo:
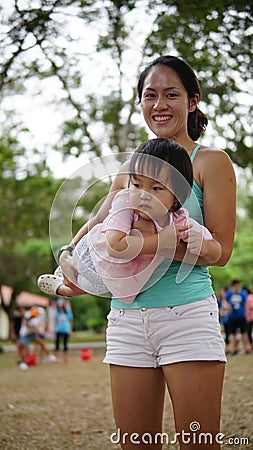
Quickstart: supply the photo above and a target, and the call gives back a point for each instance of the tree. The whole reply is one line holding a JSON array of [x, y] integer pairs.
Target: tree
[[26, 192], [108, 39]]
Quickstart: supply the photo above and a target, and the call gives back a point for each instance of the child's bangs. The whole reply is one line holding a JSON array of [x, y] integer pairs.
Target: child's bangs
[[150, 166]]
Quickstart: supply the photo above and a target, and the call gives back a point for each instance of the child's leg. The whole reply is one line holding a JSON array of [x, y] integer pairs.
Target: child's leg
[[42, 345], [65, 291], [45, 350], [23, 351]]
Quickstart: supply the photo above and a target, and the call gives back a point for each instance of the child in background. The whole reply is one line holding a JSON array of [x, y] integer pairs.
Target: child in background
[[30, 333]]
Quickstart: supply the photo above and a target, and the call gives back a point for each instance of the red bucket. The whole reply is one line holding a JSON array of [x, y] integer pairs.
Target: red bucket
[[86, 354], [31, 359]]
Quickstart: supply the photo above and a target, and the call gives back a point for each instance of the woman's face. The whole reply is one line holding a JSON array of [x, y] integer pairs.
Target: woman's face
[[165, 103]]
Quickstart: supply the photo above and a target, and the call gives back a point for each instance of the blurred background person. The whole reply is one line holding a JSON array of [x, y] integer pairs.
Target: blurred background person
[[225, 310], [63, 327], [15, 326], [249, 315], [30, 334], [236, 297]]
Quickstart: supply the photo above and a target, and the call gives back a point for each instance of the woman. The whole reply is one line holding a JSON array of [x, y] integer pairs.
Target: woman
[[170, 334], [107, 257]]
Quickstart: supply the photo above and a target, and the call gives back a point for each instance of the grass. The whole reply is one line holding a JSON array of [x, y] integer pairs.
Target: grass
[[87, 336], [76, 337], [68, 406]]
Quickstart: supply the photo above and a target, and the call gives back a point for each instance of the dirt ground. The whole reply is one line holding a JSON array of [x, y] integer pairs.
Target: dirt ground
[[68, 406]]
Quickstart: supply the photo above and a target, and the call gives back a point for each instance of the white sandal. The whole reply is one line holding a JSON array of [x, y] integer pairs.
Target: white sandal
[[49, 283], [58, 272]]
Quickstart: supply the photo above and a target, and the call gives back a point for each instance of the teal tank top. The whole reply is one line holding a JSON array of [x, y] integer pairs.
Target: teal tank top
[[174, 282]]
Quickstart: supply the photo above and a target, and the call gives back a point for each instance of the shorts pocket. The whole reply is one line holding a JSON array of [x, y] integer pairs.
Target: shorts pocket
[[199, 309], [114, 316]]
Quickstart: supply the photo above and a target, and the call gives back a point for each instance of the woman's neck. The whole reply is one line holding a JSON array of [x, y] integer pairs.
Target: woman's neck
[[185, 141], [189, 146]]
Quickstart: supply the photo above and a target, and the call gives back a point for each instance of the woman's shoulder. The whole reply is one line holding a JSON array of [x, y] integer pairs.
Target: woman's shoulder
[[206, 153], [214, 156], [211, 160]]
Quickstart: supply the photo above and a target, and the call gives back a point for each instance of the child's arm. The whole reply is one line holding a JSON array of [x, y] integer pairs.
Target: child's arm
[[123, 246]]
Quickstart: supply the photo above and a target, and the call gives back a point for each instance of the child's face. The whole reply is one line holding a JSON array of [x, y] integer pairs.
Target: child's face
[[150, 198]]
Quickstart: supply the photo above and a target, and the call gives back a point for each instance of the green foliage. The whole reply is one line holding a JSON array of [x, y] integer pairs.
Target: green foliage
[[26, 191], [21, 265], [90, 312], [216, 39], [91, 199]]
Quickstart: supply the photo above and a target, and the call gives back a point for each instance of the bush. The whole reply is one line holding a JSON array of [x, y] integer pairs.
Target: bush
[[90, 312]]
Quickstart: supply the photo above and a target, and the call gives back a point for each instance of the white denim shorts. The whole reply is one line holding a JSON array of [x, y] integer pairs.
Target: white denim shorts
[[154, 337]]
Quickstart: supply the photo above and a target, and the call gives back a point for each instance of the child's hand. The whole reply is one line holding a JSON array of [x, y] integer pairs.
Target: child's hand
[[195, 241], [169, 239]]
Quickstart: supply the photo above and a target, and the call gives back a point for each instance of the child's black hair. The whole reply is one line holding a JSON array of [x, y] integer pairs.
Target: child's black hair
[[178, 166]]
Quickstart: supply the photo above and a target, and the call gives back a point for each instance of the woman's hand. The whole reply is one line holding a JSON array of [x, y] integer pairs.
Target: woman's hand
[[69, 272]]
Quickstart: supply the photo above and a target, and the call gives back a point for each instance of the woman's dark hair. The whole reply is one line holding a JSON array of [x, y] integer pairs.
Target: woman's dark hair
[[197, 120], [148, 160]]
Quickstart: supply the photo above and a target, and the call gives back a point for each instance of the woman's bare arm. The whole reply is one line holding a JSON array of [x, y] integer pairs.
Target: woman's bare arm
[[219, 196], [66, 260], [120, 182], [216, 177]]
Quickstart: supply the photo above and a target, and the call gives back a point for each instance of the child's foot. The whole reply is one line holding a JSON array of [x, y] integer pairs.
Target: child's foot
[[49, 284]]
